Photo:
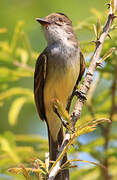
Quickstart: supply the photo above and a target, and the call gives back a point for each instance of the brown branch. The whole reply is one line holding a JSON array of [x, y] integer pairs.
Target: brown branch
[[84, 89], [89, 76]]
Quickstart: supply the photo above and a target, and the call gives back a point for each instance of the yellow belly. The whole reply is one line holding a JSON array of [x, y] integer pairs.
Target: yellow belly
[[58, 86]]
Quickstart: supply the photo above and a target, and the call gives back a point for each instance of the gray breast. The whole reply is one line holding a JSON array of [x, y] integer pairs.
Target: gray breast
[[60, 57]]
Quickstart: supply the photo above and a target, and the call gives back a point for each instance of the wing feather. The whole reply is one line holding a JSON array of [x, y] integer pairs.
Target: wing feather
[[39, 81]]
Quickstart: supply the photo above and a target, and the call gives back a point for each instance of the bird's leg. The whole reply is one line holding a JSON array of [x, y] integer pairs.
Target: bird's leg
[[80, 95], [77, 93]]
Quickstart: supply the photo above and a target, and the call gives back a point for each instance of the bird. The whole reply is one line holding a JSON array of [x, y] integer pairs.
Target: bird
[[58, 70]]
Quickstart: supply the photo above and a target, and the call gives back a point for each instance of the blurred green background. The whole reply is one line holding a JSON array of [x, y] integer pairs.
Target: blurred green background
[[23, 137], [13, 11]]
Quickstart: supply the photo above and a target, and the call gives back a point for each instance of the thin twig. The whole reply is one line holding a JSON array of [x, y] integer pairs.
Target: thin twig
[[57, 165], [89, 76]]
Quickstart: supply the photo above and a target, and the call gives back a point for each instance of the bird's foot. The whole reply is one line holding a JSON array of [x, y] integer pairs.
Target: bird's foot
[[80, 95], [99, 64]]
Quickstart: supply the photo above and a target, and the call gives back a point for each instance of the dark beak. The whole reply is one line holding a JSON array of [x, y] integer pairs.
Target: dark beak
[[43, 22]]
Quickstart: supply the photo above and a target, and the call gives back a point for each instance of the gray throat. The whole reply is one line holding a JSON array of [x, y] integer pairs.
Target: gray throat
[[63, 50]]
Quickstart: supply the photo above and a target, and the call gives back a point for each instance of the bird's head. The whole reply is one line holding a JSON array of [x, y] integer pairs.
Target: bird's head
[[57, 27]]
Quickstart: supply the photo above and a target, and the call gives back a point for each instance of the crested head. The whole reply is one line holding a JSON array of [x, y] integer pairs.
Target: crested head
[[59, 19], [57, 28]]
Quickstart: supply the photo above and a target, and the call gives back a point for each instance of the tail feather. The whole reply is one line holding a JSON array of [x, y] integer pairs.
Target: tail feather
[[53, 152]]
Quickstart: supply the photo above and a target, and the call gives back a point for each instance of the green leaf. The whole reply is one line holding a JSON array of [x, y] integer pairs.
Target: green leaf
[[25, 173], [99, 29], [8, 146], [20, 170], [23, 55], [27, 45], [68, 163], [16, 91], [10, 74], [5, 48], [15, 110], [95, 30], [97, 13], [16, 36], [85, 126], [107, 54]]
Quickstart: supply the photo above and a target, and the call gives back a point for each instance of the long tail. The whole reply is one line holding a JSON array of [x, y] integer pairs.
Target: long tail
[[53, 151]]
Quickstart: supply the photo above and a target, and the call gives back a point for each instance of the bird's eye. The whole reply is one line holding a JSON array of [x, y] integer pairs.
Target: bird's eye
[[60, 19]]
